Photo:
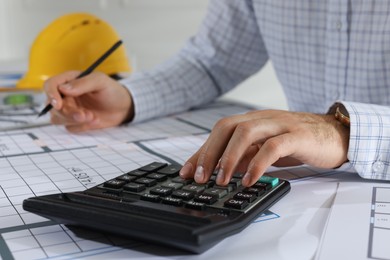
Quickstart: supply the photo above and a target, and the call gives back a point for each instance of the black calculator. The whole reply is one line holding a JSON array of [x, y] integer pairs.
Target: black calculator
[[154, 204]]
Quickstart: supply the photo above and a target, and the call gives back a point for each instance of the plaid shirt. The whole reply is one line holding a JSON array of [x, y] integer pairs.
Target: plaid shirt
[[322, 51]]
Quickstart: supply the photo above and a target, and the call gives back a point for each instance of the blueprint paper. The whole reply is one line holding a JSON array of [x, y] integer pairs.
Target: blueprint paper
[[360, 215]]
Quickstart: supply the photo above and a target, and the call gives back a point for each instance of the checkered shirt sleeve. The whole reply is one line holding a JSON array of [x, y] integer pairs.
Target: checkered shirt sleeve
[[226, 50]]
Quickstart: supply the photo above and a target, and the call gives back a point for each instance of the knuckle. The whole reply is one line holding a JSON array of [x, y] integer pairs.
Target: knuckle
[[273, 145], [99, 76], [203, 157], [225, 125], [208, 161], [251, 112], [258, 112], [244, 129], [222, 123], [227, 161]]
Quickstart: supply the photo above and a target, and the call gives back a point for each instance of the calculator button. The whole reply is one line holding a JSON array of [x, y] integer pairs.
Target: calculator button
[[134, 187], [228, 188], [126, 178], [273, 181], [237, 175], [172, 201], [220, 193], [154, 166], [208, 199], [213, 178], [150, 197], [114, 184], [194, 188], [260, 185], [137, 173], [171, 170], [195, 205], [172, 185], [157, 176], [257, 191], [161, 191], [210, 183], [235, 182], [179, 179], [146, 181], [182, 194], [245, 196], [236, 203]]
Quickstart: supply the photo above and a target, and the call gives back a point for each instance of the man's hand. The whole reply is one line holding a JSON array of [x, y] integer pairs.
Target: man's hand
[[91, 102], [252, 142]]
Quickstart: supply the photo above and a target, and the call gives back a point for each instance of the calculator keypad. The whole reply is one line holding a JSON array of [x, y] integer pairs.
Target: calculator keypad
[[159, 183]]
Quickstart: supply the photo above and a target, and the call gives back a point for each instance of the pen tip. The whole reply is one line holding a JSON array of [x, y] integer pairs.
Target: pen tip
[[45, 110], [40, 114]]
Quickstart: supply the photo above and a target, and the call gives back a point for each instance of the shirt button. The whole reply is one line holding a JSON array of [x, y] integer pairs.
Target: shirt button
[[377, 166]]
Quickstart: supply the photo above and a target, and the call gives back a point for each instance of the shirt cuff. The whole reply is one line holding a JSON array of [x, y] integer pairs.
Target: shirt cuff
[[369, 142], [145, 101]]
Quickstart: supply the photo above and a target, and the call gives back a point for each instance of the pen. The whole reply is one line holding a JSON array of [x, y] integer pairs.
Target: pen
[[87, 71]]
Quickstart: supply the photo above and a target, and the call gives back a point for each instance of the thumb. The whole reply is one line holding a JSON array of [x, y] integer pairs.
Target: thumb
[[91, 83], [51, 87]]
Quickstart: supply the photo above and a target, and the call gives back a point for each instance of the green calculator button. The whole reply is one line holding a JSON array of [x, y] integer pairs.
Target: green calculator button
[[271, 180], [18, 99]]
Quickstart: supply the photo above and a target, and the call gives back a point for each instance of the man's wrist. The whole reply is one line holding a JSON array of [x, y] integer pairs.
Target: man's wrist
[[340, 117]]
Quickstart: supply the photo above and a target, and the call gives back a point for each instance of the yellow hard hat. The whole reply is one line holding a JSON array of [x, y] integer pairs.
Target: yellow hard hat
[[73, 42]]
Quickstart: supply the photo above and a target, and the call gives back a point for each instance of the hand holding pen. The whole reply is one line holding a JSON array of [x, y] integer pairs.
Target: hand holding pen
[[85, 101], [87, 71]]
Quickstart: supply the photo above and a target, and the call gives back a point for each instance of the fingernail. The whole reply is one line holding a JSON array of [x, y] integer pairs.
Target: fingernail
[[186, 170], [66, 86], [53, 102], [246, 179], [220, 176], [199, 174]]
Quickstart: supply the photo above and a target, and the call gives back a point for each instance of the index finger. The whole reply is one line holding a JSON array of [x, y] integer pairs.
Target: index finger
[[204, 161], [51, 87]]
